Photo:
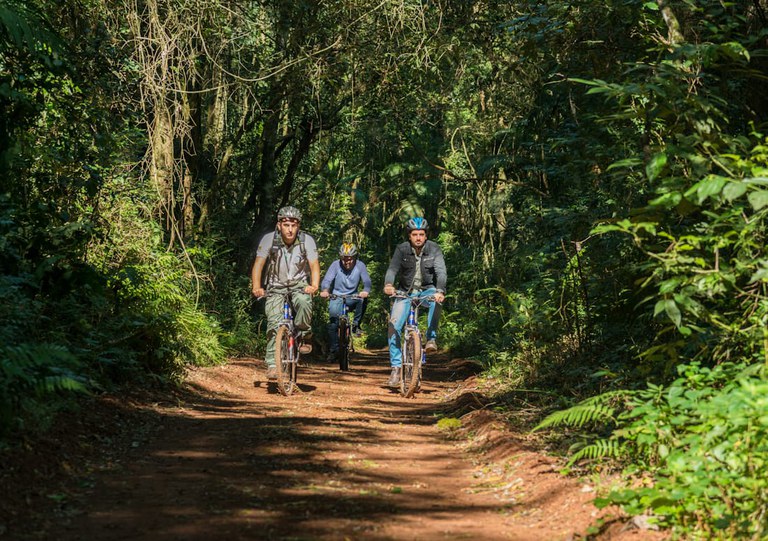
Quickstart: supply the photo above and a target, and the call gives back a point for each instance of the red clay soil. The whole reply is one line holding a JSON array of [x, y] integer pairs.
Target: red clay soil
[[345, 458]]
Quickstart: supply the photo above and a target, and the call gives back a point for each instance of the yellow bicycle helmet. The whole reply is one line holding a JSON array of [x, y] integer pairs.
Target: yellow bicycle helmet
[[347, 249]]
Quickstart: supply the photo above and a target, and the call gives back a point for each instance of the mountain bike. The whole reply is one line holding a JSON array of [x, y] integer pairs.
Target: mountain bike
[[287, 343], [414, 355], [344, 331]]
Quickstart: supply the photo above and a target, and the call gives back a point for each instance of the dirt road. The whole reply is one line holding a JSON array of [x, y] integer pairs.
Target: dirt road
[[344, 459]]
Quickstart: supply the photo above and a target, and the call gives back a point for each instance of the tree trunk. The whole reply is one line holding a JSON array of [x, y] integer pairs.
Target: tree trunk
[[161, 166], [305, 142], [674, 34], [263, 191]]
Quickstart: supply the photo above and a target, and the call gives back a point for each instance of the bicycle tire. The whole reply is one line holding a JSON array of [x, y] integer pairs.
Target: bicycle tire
[[343, 344], [285, 362], [411, 370]]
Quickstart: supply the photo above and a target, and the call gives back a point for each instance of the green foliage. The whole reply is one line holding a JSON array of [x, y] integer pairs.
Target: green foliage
[[708, 276], [587, 412], [73, 227], [70, 325], [701, 437], [704, 436], [597, 450], [686, 132], [25, 28], [449, 424], [175, 331], [30, 375]]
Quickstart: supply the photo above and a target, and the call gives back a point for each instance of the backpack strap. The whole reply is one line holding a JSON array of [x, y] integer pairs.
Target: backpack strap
[[303, 248], [273, 260], [274, 251], [277, 243]]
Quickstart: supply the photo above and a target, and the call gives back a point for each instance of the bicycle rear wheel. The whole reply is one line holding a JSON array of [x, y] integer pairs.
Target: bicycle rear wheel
[[343, 344], [285, 361], [411, 372]]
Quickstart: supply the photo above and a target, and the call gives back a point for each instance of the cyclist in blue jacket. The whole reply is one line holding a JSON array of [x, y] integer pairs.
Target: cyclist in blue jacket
[[343, 278], [418, 269]]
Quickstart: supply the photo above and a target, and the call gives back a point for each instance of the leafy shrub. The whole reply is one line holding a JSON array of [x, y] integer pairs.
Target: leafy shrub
[[29, 375], [703, 440], [167, 327]]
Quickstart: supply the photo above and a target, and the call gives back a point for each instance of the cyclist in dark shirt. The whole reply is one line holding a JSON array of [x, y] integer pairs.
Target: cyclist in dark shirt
[[418, 268]]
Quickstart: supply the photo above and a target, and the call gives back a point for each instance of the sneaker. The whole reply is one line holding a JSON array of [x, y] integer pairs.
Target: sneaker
[[357, 331], [305, 342], [271, 373], [331, 357], [431, 346], [394, 377]]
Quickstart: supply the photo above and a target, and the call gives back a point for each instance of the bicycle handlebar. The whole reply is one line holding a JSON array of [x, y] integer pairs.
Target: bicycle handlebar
[[285, 290], [354, 296], [420, 300], [282, 294]]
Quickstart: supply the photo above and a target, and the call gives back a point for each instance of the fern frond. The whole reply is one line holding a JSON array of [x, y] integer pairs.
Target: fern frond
[[51, 384], [577, 416], [599, 449], [28, 355], [600, 408]]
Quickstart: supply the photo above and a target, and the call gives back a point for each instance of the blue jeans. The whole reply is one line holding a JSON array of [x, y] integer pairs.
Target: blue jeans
[[398, 317], [356, 307]]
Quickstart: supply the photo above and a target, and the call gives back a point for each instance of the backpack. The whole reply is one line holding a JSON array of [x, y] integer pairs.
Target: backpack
[[270, 268]]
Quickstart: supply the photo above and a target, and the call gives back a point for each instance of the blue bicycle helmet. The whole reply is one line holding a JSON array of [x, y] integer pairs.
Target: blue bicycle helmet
[[417, 223]]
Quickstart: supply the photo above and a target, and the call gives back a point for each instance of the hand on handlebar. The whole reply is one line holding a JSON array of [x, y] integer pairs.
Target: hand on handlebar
[[325, 294], [258, 292], [311, 290], [389, 289], [437, 297], [363, 294], [348, 296]]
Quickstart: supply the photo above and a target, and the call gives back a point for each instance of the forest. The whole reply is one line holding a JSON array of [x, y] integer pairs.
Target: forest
[[595, 172]]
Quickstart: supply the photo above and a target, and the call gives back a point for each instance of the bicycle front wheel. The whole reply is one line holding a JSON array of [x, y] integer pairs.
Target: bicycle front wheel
[[411, 372], [343, 344], [285, 361]]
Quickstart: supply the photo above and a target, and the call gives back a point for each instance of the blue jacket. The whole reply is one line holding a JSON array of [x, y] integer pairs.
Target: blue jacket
[[346, 283]]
